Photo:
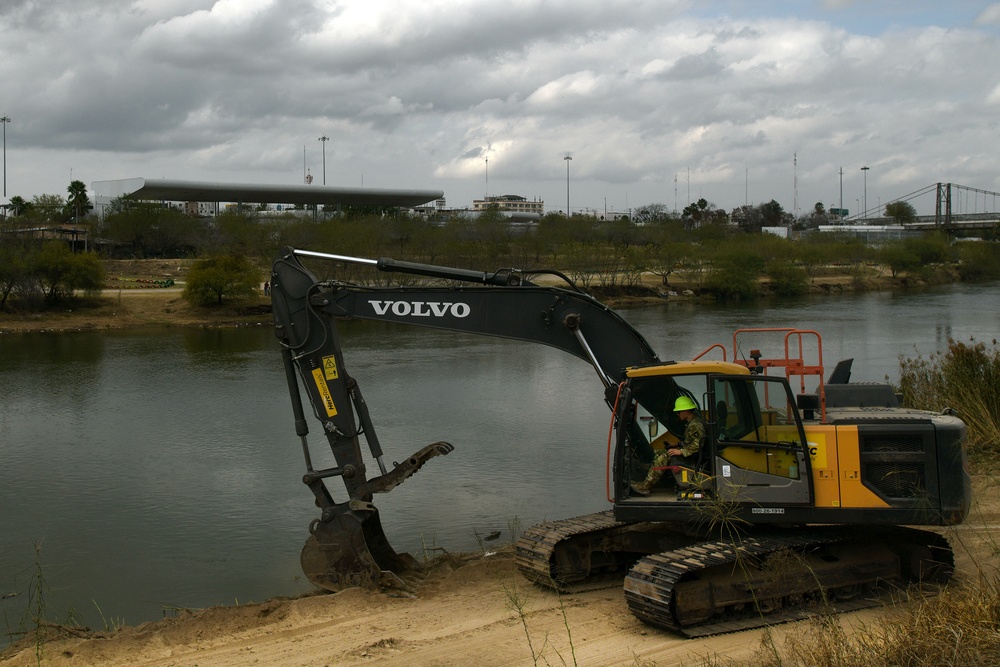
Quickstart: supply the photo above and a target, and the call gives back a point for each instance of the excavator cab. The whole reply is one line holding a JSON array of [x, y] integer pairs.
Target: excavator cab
[[755, 451]]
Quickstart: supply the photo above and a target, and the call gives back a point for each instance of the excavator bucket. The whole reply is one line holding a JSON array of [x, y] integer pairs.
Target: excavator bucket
[[351, 550], [348, 548]]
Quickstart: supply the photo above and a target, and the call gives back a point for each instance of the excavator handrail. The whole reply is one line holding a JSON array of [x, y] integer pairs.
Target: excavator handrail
[[793, 365], [709, 349]]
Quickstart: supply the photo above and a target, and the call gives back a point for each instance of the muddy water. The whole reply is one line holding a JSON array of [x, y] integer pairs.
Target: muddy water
[[148, 471]]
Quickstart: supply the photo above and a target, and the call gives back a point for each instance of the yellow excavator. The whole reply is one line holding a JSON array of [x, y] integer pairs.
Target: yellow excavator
[[797, 500]]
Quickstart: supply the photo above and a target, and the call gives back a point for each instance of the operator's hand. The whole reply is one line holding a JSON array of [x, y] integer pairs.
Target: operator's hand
[[673, 451]]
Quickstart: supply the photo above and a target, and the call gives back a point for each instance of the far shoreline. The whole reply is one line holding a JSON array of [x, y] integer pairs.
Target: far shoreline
[[118, 308]]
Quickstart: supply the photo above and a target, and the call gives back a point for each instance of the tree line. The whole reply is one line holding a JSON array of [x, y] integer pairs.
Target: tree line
[[726, 255]]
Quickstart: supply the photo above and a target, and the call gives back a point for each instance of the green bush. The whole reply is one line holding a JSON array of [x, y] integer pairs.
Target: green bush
[[734, 277], [898, 258], [978, 260], [62, 272], [787, 279], [227, 276]]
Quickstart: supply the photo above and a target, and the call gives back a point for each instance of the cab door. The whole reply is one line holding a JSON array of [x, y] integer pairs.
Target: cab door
[[759, 446]]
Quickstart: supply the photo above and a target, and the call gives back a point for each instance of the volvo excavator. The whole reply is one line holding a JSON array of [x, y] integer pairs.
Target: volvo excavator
[[804, 495]]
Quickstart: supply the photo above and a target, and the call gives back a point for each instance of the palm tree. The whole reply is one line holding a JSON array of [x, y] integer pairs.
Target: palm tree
[[18, 205], [78, 202]]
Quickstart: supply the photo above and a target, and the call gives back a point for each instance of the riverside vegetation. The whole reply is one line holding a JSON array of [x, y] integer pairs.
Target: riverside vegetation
[[634, 258]]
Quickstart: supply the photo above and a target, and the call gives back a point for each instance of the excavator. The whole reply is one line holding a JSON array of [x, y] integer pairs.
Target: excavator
[[805, 494]]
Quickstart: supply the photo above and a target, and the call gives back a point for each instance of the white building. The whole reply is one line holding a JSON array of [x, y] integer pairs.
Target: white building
[[512, 203]]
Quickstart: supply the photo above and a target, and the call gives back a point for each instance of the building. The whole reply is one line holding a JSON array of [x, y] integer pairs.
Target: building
[[200, 198], [512, 203]]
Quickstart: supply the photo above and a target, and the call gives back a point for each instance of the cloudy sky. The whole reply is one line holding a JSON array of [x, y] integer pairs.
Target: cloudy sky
[[657, 101]]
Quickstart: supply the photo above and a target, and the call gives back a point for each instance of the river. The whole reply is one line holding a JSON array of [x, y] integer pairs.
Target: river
[[150, 470]]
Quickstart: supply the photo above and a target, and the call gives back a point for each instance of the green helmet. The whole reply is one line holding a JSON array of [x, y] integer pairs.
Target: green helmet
[[684, 403]]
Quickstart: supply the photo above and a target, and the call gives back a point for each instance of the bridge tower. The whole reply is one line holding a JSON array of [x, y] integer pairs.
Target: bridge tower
[[943, 200]]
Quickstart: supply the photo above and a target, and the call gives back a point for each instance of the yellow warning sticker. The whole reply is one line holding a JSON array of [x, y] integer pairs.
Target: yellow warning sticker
[[324, 392], [330, 368]]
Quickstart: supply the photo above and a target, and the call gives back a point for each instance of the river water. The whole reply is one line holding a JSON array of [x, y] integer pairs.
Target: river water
[[146, 471]]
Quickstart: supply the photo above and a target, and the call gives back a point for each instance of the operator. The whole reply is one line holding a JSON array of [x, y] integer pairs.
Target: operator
[[685, 454]]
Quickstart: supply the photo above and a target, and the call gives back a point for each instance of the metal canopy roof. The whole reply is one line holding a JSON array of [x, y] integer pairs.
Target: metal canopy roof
[[174, 190]]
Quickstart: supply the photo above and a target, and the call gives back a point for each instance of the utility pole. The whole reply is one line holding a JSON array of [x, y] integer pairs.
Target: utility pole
[[841, 193], [864, 170], [5, 120], [795, 185], [324, 139], [568, 158]]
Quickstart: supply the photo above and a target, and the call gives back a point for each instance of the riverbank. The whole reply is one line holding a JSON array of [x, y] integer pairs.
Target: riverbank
[[128, 302]]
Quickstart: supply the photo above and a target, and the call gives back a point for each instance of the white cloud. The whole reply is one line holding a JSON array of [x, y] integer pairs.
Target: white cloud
[[990, 15]]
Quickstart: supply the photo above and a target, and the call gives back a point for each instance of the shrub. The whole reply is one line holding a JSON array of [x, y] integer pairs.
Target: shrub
[[967, 378], [787, 279], [212, 279], [61, 271], [978, 260], [734, 277]]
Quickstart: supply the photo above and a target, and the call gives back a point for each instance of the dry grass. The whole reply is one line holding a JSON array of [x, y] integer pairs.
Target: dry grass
[[966, 378], [959, 627]]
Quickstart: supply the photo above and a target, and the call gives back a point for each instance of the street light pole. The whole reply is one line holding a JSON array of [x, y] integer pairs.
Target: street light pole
[[568, 158], [841, 216], [5, 120], [865, 171], [324, 139]]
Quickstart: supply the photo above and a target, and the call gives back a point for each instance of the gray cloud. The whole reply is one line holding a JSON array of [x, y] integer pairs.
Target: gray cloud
[[420, 94]]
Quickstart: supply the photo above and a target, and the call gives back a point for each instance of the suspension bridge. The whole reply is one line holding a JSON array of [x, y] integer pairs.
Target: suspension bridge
[[956, 208]]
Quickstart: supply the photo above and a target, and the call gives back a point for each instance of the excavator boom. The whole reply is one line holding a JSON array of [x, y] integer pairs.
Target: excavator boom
[[347, 546]]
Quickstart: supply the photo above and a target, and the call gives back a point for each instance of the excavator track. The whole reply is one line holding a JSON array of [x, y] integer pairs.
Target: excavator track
[[773, 577], [590, 551], [572, 571], [697, 587]]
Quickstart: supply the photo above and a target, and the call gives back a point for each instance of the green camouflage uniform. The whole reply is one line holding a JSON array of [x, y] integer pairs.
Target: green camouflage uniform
[[694, 435]]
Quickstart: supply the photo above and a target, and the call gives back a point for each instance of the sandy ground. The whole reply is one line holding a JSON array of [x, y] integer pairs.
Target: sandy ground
[[462, 613]]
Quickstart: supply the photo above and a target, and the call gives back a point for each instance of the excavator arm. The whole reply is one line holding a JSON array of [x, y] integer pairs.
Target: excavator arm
[[347, 546]]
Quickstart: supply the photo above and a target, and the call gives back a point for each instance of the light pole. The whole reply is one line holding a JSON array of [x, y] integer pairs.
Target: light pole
[[864, 170], [568, 159], [324, 139], [841, 216], [5, 120], [486, 196]]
